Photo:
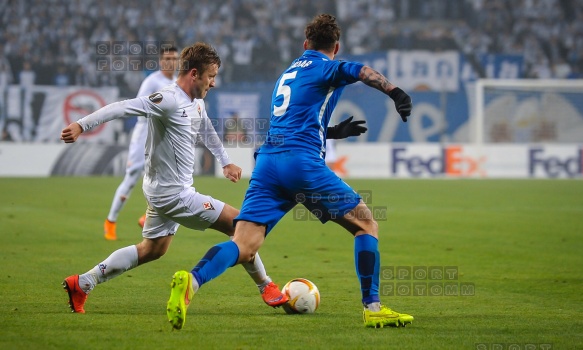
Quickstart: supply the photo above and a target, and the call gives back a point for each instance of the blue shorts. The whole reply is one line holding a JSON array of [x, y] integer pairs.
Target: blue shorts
[[282, 180]]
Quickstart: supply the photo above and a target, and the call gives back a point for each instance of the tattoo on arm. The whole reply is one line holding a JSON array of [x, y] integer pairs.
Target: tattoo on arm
[[375, 79]]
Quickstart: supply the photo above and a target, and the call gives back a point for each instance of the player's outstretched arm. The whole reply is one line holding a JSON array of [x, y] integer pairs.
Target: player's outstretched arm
[[374, 79], [71, 133], [232, 172], [121, 109]]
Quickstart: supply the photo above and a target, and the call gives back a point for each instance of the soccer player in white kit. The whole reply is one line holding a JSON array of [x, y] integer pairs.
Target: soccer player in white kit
[[136, 159], [176, 119]]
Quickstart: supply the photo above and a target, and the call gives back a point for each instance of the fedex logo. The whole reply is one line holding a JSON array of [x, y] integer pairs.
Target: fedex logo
[[553, 165], [417, 165], [450, 160]]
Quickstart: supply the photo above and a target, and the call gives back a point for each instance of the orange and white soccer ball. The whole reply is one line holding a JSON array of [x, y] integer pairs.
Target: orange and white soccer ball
[[304, 296]]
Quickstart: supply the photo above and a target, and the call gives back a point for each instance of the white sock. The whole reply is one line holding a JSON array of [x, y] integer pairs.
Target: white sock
[[256, 270], [118, 262], [375, 307], [263, 285], [195, 285]]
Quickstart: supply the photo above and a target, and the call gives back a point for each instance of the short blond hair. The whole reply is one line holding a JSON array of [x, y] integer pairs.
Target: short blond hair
[[199, 56]]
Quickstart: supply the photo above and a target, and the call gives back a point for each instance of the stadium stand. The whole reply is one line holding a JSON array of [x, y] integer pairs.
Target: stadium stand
[[57, 39]]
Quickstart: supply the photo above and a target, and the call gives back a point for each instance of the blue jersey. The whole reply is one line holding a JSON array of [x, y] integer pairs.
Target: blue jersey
[[303, 100]]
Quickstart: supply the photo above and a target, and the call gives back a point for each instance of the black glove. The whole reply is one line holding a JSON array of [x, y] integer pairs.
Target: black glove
[[346, 128], [402, 102]]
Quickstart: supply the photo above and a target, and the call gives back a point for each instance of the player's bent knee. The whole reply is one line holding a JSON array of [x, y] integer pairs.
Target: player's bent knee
[[224, 222], [374, 227], [249, 237], [146, 258], [149, 250], [246, 255], [365, 220], [247, 250], [150, 255], [370, 227]]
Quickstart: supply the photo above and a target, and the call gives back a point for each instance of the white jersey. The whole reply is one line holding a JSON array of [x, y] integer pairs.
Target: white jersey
[[175, 124], [153, 82]]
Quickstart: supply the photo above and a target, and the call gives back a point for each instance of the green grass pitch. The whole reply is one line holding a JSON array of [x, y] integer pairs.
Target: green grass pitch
[[518, 243]]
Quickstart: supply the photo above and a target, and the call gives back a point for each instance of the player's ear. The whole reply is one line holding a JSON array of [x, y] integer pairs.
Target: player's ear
[[193, 73], [336, 48], [306, 44]]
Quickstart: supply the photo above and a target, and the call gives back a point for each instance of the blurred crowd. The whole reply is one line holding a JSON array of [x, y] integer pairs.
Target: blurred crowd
[[55, 42]]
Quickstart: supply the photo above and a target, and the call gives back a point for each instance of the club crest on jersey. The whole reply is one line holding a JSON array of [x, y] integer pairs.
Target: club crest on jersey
[[184, 114], [208, 206], [199, 111], [155, 97]]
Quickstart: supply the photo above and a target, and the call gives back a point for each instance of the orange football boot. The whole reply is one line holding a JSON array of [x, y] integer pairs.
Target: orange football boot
[[109, 230], [272, 296], [77, 296]]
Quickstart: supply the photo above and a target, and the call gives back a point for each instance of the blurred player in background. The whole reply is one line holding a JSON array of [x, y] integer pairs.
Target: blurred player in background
[[330, 153], [290, 169], [135, 165], [176, 118], [331, 157]]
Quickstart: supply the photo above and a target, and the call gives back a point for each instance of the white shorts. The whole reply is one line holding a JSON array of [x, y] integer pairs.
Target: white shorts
[[188, 208]]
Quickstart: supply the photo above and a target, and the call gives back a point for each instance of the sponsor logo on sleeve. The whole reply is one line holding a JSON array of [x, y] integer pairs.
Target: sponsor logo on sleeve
[[155, 97]]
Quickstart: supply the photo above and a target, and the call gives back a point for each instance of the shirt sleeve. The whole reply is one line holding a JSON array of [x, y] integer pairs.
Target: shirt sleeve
[[159, 104], [345, 72], [208, 136], [116, 110]]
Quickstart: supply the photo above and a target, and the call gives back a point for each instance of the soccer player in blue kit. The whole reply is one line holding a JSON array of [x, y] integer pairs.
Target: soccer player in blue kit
[[290, 169]]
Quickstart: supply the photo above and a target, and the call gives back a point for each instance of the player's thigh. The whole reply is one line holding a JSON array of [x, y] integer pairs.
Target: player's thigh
[[322, 192], [249, 237], [264, 205], [195, 210], [266, 200], [157, 224], [225, 223], [188, 208]]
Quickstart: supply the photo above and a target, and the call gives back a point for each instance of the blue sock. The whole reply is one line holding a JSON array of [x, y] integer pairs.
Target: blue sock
[[367, 261], [218, 259]]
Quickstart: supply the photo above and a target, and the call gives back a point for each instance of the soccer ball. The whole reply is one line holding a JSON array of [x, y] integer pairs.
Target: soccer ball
[[304, 296]]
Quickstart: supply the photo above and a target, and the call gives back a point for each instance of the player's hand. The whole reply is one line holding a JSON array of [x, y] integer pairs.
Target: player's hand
[[403, 102], [71, 133], [346, 128], [232, 172]]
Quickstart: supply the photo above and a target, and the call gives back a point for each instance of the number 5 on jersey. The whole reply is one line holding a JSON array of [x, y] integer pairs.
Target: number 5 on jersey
[[284, 90]]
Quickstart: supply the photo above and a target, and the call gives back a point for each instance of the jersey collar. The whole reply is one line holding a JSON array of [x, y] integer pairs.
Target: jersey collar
[[309, 53]]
